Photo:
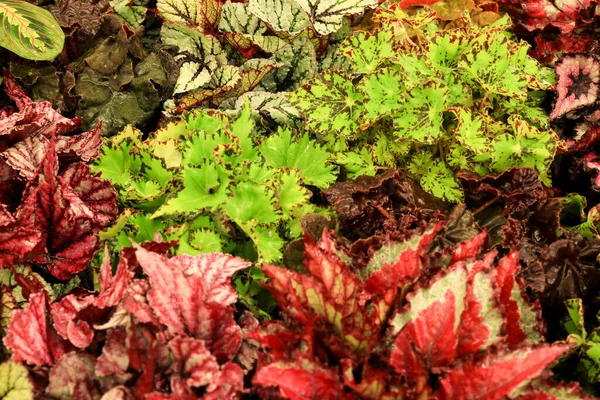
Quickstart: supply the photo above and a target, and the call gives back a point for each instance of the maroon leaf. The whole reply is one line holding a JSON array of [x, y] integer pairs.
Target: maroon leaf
[[96, 193]]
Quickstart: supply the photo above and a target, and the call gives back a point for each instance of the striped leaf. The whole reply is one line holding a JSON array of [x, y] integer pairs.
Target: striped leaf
[[29, 31]]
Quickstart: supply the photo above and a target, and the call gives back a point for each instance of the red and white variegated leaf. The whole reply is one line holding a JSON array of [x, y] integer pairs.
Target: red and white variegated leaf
[[31, 118], [71, 370], [372, 382], [64, 314], [26, 156], [429, 340], [178, 293], [112, 288], [114, 359], [523, 320], [215, 270], [300, 380], [96, 193], [29, 336], [226, 336], [469, 249], [177, 301], [481, 322], [84, 146], [194, 360], [21, 235], [230, 384], [397, 264], [499, 375]]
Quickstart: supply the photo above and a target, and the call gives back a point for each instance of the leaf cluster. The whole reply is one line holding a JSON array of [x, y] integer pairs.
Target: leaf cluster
[[215, 184], [404, 326], [464, 98], [227, 49], [51, 205]]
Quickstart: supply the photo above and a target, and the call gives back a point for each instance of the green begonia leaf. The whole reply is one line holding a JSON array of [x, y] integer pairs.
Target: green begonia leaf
[[14, 382]]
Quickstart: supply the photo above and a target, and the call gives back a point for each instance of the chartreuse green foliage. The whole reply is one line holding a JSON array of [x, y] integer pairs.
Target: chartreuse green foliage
[[437, 101], [585, 344], [215, 184]]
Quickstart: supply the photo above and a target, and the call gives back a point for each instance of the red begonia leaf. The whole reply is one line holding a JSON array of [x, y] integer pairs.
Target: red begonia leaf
[[499, 375], [114, 359], [19, 236], [96, 193], [226, 336], [300, 380], [481, 320], [194, 361], [523, 322], [428, 341], [30, 337], [397, 264], [84, 146], [215, 270], [178, 297], [230, 384], [112, 288], [67, 220], [64, 315], [27, 155]]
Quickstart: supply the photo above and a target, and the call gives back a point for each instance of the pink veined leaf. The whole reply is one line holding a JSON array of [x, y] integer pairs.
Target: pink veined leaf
[[230, 384], [96, 193], [195, 361], [112, 288], [64, 315], [578, 80], [179, 300], [15, 91], [114, 359], [29, 336], [19, 236], [300, 380], [539, 14], [500, 375], [215, 270], [226, 336], [27, 155], [84, 146]]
